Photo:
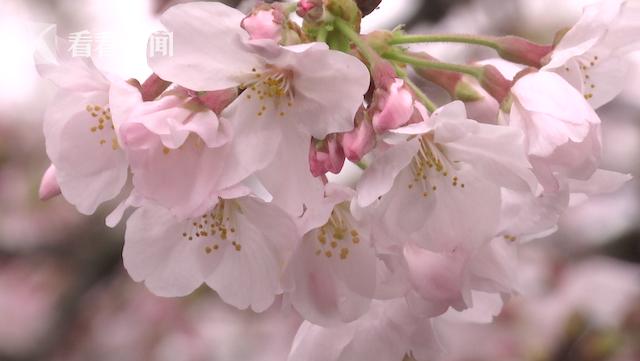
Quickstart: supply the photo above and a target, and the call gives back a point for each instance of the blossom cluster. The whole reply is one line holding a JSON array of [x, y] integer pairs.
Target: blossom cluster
[[223, 154]]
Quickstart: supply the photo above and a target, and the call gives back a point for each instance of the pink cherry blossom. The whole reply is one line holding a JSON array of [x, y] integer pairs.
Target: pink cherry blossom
[[562, 130], [389, 331], [331, 277], [81, 141], [593, 54], [440, 171], [175, 132], [237, 247]]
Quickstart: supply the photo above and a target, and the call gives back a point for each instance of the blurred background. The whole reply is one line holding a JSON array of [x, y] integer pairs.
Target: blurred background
[[64, 294]]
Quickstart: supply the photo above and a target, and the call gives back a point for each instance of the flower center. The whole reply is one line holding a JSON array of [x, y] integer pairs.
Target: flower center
[[337, 236], [216, 228], [272, 89], [585, 64], [103, 126], [427, 160]]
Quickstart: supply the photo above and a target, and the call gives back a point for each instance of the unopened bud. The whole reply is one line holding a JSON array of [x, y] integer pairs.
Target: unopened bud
[[310, 10], [522, 51], [264, 23], [495, 83], [454, 83], [361, 140], [326, 156], [393, 107], [217, 100], [49, 186]]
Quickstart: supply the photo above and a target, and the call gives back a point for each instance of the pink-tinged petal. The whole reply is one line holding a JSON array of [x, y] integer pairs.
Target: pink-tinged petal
[[299, 189], [318, 292], [550, 112], [526, 216], [49, 186], [209, 51], [249, 273], [602, 181], [387, 332], [133, 200], [156, 252], [262, 25], [378, 179], [316, 216], [329, 89], [437, 278], [605, 80], [316, 343], [214, 131], [455, 218], [361, 140], [395, 107], [496, 152], [69, 73], [486, 306], [90, 167], [184, 180], [123, 100], [255, 140], [494, 268]]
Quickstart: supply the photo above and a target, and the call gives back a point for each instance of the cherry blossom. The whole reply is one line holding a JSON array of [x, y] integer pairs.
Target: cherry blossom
[[237, 247], [332, 273], [80, 133], [593, 54]]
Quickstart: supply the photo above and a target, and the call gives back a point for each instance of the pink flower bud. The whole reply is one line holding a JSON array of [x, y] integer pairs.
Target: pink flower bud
[[495, 83], [310, 9], [522, 51], [218, 100], [394, 107], [383, 74], [326, 156], [263, 24], [49, 187], [361, 140]]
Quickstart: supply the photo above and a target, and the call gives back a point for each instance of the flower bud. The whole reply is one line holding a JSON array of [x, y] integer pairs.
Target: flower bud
[[522, 51], [361, 140], [310, 10], [264, 23], [218, 100], [49, 186], [326, 156], [495, 83], [454, 83], [393, 107]]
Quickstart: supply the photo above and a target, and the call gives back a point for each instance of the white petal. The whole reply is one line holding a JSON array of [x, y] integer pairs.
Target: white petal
[[209, 50]]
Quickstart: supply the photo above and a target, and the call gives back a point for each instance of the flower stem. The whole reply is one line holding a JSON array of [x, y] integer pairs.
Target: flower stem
[[487, 41], [474, 71], [346, 30]]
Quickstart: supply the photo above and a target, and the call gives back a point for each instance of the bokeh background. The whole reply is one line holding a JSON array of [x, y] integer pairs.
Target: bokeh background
[[64, 294]]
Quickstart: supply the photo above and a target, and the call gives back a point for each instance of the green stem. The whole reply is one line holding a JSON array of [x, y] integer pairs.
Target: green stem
[[424, 99], [345, 28], [322, 34], [474, 71], [487, 41]]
